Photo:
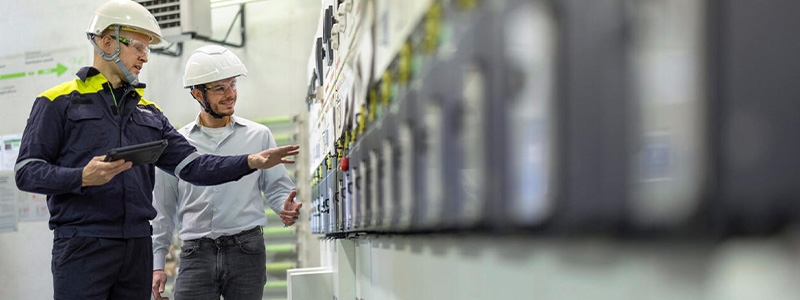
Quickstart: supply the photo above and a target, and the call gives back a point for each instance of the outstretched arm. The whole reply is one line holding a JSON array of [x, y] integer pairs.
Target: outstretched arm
[[273, 156]]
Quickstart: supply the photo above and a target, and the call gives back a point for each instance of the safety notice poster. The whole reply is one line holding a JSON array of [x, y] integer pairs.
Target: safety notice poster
[[8, 202], [9, 150], [32, 207]]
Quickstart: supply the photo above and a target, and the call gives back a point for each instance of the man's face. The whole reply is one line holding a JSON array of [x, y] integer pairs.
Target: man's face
[[133, 49], [222, 96]]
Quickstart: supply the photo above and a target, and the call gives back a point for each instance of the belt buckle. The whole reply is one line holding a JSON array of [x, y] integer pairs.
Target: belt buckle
[[223, 239]]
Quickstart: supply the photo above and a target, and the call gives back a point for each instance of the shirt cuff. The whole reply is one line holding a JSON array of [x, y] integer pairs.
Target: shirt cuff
[[159, 260]]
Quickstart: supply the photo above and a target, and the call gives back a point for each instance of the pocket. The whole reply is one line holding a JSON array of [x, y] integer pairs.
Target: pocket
[[66, 248], [87, 129], [188, 249], [252, 244], [146, 124]]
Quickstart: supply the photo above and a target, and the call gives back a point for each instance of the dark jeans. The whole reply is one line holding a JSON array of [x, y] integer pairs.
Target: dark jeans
[[230, 266], [89, 268]]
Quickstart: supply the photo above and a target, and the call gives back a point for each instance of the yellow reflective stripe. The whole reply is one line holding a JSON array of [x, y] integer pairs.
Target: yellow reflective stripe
[[91, 85], [143, 101]]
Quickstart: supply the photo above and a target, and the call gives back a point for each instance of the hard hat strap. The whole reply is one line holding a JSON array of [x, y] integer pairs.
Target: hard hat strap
[[129, 77], [206, 106]]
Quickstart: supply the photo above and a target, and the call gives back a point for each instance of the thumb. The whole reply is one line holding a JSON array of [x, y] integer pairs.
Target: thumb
[[161, 286], [287, 205], [299, 205]]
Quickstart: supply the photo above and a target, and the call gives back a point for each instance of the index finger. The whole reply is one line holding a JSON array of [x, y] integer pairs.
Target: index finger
[[103, 159], [119, 164], [288, 148]]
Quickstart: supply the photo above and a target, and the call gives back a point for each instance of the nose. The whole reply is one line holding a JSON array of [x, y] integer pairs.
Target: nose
[[230, 91]]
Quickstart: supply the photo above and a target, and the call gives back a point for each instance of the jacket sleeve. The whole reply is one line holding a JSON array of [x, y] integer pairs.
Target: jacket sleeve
[[182, 160], [35, 168], [165, 201]]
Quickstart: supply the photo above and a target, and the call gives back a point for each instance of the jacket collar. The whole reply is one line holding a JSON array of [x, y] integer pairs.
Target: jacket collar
[[87, 72]]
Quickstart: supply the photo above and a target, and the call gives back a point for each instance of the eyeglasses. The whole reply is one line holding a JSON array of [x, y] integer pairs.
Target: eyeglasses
[[139, 46], [220, 88]]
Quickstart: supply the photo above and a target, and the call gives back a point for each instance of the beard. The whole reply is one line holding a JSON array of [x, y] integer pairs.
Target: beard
[[222, 111]]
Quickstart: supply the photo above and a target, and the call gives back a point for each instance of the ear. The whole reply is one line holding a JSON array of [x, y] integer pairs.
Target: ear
[[197, 94], [105, 43]]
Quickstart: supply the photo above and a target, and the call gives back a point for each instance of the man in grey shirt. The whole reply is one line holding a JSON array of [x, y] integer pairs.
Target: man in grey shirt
[[223, 252]]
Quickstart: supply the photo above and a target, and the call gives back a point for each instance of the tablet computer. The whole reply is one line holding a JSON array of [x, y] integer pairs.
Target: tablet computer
[[139, 154]]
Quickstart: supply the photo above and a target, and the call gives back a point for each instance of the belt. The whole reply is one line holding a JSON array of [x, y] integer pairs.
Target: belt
[[230, 240]]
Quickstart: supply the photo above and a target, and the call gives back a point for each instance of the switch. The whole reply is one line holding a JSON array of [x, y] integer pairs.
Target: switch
[[344, 164], [335, 38], [320, 56], [329, 51], [326, 25], [342, 24], [335, 30]]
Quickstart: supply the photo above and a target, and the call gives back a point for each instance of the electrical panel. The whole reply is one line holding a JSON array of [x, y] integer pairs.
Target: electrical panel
[[527, 119], [618, 117]]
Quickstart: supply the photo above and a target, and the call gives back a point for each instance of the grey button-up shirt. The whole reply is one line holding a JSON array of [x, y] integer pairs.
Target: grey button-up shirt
[[225, 209]]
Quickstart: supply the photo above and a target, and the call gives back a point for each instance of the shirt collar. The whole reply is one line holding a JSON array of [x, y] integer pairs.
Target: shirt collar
[[234, 121]]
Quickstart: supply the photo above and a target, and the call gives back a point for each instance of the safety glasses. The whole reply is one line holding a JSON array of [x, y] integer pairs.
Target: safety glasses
[[139, 46], [220, 88]]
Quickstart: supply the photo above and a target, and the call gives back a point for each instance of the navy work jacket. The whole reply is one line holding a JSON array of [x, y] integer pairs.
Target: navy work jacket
[[77, 120]]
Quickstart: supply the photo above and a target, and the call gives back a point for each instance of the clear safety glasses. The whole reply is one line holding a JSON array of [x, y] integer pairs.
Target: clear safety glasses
[[141, 47], [220, 88]]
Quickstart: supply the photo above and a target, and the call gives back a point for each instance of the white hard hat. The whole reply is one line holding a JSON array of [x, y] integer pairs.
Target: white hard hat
[[131, 16], [211, 63]]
